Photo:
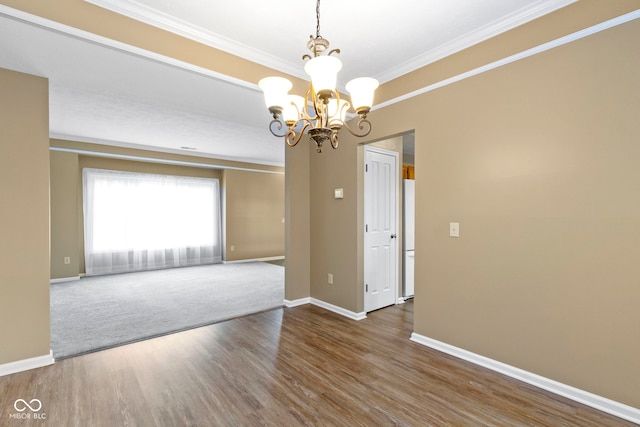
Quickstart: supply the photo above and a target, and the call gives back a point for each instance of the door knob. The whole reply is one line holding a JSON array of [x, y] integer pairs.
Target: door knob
[[393, 236]]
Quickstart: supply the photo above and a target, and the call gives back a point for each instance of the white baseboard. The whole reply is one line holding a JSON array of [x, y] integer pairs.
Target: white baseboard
[[64, 279], [344, 312], [296, 302], [271, 258], [26, 364], [598, 402], [402, 300], [339, 310]]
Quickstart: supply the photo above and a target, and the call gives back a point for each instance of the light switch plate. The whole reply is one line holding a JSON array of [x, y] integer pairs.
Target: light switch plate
[[454, 229], [338, 193]]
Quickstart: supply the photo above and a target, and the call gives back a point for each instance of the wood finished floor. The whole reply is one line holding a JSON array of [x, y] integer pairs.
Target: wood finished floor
[[286, 367]]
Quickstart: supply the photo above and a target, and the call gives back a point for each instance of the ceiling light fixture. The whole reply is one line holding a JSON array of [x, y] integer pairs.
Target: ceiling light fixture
[[321, 111]]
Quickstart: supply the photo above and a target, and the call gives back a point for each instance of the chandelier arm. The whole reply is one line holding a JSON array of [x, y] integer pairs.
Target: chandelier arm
[[334, 139], [317, 116], [306, 113], [292, 138], [342, 109], [279, 126], [364, 126], [321, 107]]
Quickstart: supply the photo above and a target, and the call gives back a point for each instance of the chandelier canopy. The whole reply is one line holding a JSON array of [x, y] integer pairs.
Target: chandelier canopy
[[321, 112]]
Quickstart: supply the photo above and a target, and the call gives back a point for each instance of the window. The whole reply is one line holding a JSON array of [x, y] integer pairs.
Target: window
[[137, 221]]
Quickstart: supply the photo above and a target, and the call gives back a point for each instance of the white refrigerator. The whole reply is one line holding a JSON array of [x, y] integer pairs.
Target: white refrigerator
[[408, 236]]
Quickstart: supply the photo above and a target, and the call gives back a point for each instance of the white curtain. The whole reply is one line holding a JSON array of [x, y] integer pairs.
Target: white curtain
[[137, 221]]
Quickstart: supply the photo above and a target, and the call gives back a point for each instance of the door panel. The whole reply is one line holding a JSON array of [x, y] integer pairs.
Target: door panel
[[381, 216]]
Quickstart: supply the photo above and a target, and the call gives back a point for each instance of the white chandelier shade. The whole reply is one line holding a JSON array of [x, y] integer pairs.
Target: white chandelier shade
[[323, 71], [275, 91], [277, 97], [361, 91]]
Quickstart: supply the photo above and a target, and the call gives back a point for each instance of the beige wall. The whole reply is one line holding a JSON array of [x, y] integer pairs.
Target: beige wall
[[24, 217], [334, 247], [537, 160], [65, 232], [337, 226], [254, 214], [257, 239], [298, 221]]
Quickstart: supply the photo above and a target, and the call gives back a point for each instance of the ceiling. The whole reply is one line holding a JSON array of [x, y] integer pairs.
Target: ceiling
[[109, 93]]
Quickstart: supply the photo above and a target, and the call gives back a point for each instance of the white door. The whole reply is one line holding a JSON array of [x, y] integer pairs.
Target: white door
[[381, 225]]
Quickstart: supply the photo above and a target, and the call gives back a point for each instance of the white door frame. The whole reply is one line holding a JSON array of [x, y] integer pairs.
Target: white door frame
[[398, 248]]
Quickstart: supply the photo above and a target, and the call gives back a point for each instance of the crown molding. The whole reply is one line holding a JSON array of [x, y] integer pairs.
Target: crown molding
[[614, 22], [536, 10], [123, 47], [175, 25], [147, 159], [156, 18]]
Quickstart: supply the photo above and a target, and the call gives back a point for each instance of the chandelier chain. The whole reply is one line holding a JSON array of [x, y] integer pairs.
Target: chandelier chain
[[318, 19]]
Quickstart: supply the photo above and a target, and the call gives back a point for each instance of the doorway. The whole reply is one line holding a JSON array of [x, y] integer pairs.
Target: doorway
[[381, 206]]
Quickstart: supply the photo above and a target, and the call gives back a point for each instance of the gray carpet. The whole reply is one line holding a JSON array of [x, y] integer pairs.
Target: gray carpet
[[95, 313]]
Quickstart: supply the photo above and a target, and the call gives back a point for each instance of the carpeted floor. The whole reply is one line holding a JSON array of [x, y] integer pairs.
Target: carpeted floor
[[95, 313]]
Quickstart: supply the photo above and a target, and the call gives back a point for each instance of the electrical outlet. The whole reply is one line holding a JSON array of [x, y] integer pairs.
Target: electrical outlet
[[67, 260], [233, 248], [330, 278]]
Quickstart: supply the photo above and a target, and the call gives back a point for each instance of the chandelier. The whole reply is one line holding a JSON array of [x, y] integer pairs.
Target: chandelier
[[321, 112]]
